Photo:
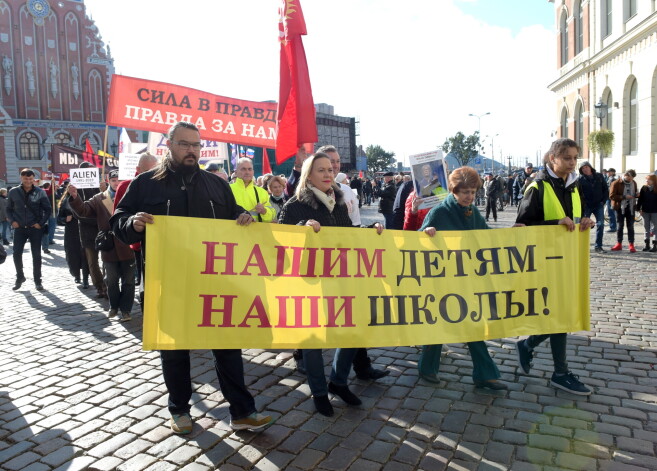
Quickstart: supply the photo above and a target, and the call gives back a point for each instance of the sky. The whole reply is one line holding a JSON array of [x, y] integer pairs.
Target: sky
[[410, 72]]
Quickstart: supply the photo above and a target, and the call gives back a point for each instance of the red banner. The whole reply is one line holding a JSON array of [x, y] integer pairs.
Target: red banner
[[155, 106]]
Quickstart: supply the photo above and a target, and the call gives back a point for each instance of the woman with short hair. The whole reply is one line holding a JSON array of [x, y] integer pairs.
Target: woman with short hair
[[457, 212]]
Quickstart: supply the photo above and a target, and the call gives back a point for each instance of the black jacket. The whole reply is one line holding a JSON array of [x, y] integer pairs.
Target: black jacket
[[201, 195], [387, 195], [594, 189], [28, 209], [306, 206], [647, 201], [530, 211]]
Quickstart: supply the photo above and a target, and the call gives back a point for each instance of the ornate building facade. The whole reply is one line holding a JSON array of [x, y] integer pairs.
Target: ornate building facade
[[55, 73], [607, 56]]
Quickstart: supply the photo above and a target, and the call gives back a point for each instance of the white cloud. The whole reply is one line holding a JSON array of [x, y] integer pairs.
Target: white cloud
[[410, 71]]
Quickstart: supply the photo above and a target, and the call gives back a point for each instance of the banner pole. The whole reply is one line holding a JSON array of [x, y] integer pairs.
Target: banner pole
[[102, 177], [52, 189]]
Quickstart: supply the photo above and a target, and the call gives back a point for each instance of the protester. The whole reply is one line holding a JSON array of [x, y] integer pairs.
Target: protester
[[318, 202], [49, 229], [177, 187], [88, 232], [611, 178], [519, 182], [217, 169], [4, 222], [399, 206], [253, 198], [647, 205], [350, 198], [276, 187], [491, 192], [118, 258], [554, 198], [623, 193], [357, 184], [387, 202], [458, 213], [75, 257], [413, 216], [367, 191], [28, 210], [595, 192]]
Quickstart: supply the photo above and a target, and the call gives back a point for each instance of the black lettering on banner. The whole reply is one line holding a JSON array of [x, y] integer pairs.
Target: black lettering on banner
[[430, 261], [509, 306], [528, 259], [246, 113], [142, 94], [184, 103], [493, 261], [157, 96], [462, 308], [235, 109], [412, 265], [222, 108], [258, 113], [387, 310], [419, 310], [492, 304], [271, 116], [203, 104], [460, 271]]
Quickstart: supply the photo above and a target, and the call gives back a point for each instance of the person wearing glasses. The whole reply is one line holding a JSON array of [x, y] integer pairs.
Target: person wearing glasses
[[178, 187]]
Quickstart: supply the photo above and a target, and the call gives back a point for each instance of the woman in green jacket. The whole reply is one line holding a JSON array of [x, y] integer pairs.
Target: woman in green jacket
[[458, 213]]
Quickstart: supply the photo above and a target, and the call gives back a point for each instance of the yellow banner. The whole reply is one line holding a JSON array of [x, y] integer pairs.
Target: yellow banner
[[214, 284]]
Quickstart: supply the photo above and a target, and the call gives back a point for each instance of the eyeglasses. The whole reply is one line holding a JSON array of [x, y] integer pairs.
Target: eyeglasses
[[186, 145]]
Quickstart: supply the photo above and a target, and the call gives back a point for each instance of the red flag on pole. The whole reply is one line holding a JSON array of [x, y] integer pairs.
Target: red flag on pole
[[88, 146], [296, 109], [266, 166]]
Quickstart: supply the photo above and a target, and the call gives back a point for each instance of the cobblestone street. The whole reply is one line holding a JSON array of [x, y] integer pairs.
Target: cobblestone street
[[77, 392]]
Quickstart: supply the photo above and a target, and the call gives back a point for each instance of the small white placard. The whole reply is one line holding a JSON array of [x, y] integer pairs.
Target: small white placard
[[128, 166], [84, 177]]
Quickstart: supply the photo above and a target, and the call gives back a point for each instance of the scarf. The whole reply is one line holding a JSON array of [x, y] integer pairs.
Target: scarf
[[327, 199]]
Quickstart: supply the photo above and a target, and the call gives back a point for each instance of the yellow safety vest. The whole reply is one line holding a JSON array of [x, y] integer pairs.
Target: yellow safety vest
[[552, 209]]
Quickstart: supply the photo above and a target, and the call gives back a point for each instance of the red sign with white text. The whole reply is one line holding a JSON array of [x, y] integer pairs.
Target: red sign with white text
[[155, 106]]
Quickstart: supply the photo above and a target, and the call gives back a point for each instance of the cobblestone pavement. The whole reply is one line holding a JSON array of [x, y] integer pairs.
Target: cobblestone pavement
[[77, 392]]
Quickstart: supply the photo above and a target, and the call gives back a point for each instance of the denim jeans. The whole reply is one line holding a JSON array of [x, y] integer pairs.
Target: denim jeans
[[484, 368], [22, 235], [4, 230], [52, 227], [612, 216], [314, 363], [599, 214], [557, 344], [228, 364], [120, 296]]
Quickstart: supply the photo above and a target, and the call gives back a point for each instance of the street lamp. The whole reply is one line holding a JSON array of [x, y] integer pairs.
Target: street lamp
[[114, 147], [479, 116], [509, 159], [600, 111], [492, 150]]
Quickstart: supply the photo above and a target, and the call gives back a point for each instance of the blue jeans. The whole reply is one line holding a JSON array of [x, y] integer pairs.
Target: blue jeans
[[230, 371], [22, 235], [314, 363], [121, 297], [599, 214], [4, 230], [612, 216], [52, 227]]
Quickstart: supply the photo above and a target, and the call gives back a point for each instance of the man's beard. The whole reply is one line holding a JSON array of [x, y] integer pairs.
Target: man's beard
[[185, 167]]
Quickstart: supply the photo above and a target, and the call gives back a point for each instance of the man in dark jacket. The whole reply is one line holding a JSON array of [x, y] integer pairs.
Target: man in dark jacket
[[119, 260], [178, 187], [388, 194], [28, 211], [595, 192]]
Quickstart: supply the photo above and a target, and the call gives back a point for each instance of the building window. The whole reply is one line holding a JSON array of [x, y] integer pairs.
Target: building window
[[606, 18], [564, 38], [610, 108], [564, 123], [579, 28], [630, 9], [579, 125], [29, 146], [62, 138], [633, 121]]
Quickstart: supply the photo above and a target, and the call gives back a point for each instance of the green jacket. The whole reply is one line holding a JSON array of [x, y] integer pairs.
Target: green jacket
[[450, 216]]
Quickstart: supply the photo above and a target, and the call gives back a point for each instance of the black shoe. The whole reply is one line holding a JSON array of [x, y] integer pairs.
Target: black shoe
[[46, 251], [525, 356], [493, 384], [372, 373], [77, 280], [654, 247], [85, 284], [5, 242], [38, 286], [343, 393], [19, 282], [298, 361], [323, 405]]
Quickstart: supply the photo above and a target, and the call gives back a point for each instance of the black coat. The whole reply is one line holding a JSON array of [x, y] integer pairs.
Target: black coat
[[201, 195], [647, 201], [594, 189], [387, 195], [530, 211], [306, 206]]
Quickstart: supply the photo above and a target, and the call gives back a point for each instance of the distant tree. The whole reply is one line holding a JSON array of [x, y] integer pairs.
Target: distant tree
[[378, 159], [463, 148]]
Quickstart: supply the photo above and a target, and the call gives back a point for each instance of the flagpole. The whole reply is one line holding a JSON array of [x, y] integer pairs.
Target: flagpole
[[52, 189], [102, 177], [228, 163]]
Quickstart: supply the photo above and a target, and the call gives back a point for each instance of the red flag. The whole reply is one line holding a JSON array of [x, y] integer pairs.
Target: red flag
[[360, 174], [88, 145], [266, 166], [62, 177], [296, 108]]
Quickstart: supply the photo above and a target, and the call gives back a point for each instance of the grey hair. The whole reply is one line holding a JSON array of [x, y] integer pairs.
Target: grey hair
[[242, 160]]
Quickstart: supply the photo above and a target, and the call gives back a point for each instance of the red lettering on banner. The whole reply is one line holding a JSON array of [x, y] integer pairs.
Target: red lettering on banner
[[341, 259], [347, 307], [210, 257], [208, 310], [256, 254], [298, 312], [260, 314], [280, 260]]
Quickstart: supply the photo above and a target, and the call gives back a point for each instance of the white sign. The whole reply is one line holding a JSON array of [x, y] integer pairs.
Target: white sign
[[128, 166], [429, 177], [84, 177], [211, 151]]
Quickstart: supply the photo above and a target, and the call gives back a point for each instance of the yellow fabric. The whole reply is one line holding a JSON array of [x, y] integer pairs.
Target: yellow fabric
[[214, 284], [246, 198], [552, 209]]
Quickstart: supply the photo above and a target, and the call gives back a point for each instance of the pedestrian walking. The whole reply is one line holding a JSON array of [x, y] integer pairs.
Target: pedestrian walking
[[178, 187], [554, 198], [28, 211], [595, 192], [647, 205], [623, 194]]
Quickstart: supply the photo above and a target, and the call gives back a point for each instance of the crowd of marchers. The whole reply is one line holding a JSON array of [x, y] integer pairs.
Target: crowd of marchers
[[111, 222]]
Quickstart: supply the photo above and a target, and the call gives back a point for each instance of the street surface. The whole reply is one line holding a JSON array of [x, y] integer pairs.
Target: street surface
[[77, 392]]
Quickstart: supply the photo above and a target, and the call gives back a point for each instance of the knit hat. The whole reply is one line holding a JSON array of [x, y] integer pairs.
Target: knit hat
[[341, 177], [585, 163]]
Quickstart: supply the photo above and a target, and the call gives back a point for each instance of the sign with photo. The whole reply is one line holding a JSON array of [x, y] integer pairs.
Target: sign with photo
[[429, 177]]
